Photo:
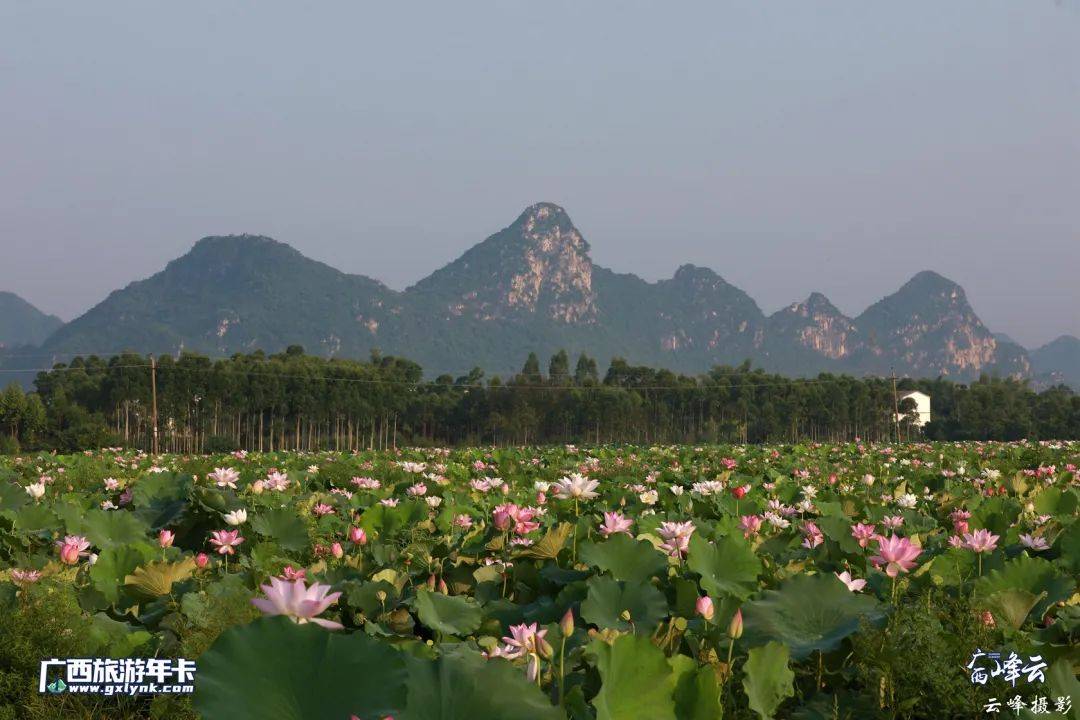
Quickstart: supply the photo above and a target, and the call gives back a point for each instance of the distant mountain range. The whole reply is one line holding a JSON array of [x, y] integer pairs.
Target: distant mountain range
[[532, 287], [23, 324]]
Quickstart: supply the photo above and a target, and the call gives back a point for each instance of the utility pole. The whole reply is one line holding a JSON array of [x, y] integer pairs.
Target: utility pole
[[896, 405], [153, 404]]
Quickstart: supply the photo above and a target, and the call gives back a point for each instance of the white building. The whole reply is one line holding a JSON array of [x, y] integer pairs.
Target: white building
[[920, 415]]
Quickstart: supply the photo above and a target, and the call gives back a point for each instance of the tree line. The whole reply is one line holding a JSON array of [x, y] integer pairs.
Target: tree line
[[295, 401]]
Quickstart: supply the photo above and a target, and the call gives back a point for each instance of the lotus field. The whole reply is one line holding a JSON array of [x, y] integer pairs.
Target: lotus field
[[618, 583]]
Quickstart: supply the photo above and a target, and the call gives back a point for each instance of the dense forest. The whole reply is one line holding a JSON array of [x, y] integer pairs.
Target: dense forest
[[295, 401]]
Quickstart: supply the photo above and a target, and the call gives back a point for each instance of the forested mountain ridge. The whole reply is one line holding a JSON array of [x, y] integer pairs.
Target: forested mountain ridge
[[23, 324], [529, 287]]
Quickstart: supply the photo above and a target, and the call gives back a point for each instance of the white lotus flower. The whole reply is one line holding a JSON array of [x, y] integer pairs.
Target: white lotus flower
[[236, 517]]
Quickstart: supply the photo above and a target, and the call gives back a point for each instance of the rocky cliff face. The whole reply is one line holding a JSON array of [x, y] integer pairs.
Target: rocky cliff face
[[530, 287], [539, 265], [928, 327], [816, 326]]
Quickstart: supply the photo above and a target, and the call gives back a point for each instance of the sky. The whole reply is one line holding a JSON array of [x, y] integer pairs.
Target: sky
[[792, 147]]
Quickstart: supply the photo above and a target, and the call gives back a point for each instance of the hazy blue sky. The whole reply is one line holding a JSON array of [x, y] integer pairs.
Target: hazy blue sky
[[790, 146]]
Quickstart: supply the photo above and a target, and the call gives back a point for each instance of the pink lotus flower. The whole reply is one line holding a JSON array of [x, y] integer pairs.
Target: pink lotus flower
[[337, 551], [226, 540], [71, 548], [357, 536], [863, 533], [1035, 543], [893, 522], [676, 537], [576, 487], [202, 560], [852, 584], [981, 541], [750, 525], [165, 538], [297, 601], [524, 640], [896, 553], [225, 477], [812, 536], [740, 492], [23, 578], [322, 509], [463, 521], [291, 573], [956, 541], [615, 522]]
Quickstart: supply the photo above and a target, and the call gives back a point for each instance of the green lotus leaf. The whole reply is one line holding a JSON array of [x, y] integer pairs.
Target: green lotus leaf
[[283, 526], [451, 614], [115, 638], [32, 518], [274, 668], [637, 683], [12, 496], [608, 599], [625, 558], [114, 564], [111, 528], [767, 678], [159, 488], [388, 521], [807, 613], [697, 690], [727, 566], [462, 685], [1012, 606], [1031, 574]]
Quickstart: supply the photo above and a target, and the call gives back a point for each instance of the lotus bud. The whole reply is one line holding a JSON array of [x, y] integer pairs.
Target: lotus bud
[[381, 596], [704, 607], [443, 588], [735, 628], [431, 582], [625, 615], [357, 535], [257, 487], [566, 625], [202, 560], [541, 498], [502, 519], [165, 538], [545, 649], [337, 551]]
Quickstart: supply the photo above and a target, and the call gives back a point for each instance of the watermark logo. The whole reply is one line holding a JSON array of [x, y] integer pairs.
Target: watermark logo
[[117, 676]]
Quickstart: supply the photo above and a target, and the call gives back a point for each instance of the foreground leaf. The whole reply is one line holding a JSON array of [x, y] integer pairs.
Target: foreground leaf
[[768, 678], [807, 613], [454, 615], [625, 558], [636, 680], [274, 668]]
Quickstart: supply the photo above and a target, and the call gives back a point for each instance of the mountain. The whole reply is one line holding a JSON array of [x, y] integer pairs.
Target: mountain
[[1058, 361], [235, 294], [23, 324], [928, 327], [531, 286]]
